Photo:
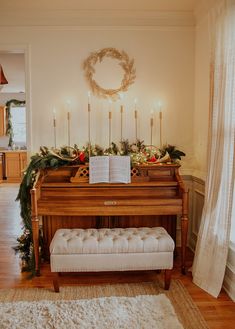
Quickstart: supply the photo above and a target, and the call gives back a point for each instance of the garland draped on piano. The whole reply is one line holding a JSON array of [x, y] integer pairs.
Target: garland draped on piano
[[64, 156]]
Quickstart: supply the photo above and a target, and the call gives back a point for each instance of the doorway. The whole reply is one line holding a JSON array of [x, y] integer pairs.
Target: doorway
[[14, 65]]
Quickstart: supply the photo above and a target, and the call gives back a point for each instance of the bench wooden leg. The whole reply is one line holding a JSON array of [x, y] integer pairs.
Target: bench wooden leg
[[56, 282], [167, 279]]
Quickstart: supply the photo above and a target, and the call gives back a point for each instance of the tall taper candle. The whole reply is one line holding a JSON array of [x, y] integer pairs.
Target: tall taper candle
[[160, 121], [68, 103], [54, 125], [89, 122], [68, 118], [110, 127], [121, 96], [89, 117], [136, 121], [151, 129], [121, 111]]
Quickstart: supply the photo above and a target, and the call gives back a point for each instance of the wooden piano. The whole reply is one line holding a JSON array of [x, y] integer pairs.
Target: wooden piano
[[65, 199]]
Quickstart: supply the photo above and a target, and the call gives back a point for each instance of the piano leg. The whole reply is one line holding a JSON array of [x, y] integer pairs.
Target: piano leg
[[35, 230]]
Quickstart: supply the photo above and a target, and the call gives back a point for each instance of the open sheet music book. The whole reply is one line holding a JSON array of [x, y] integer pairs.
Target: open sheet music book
[[109, 169]]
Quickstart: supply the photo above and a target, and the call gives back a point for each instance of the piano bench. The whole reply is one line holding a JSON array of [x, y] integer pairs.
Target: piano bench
[[116, 249]]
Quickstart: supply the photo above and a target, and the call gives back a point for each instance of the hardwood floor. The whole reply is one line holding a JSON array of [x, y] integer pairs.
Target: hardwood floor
[[219, 313]]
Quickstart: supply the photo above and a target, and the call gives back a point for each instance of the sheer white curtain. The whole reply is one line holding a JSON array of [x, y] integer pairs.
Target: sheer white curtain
[[213, 239]]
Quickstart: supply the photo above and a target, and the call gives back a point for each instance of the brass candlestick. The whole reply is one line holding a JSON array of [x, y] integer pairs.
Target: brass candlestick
[[160, 130], [89, 129], [121, 111], [136, 118], [110, 127], [54, 126], [151, 131]]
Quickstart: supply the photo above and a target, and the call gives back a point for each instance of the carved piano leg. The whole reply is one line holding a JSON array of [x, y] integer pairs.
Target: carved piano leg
[[35, 230]]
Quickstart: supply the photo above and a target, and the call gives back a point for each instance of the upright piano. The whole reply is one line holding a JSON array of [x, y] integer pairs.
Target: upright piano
[[63, 198]]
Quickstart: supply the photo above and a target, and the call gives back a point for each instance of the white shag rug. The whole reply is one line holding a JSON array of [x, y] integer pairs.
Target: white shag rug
[[141, 312]]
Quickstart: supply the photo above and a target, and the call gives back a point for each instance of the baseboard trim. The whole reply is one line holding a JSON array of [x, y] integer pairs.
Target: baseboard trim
[[229, 282]]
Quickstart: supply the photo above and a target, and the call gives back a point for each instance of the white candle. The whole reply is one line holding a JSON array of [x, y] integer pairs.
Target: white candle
[[121, 112], [151, 127], [89, 101], [54, 114], [136, 118], [110, 121], [68, 120], [89, 120], [135, 102], [160, 119], [54, 125]]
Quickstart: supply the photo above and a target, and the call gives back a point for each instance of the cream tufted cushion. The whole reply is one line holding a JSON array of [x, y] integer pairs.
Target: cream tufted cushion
[[111, 241]]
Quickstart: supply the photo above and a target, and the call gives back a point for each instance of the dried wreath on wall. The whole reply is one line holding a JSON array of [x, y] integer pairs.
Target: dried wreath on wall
[[124, 61]]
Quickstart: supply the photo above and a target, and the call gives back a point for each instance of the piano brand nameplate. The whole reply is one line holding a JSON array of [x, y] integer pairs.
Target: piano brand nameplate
[[110, 203]]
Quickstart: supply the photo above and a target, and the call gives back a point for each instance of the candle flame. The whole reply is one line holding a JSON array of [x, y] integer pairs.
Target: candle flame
[[121, 95], [54, 114]]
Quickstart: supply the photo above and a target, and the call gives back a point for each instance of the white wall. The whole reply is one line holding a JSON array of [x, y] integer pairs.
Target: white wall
[[201, 114], [164, 60]]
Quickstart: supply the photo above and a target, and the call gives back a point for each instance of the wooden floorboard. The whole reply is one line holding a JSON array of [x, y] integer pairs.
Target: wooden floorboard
[[219, 313]]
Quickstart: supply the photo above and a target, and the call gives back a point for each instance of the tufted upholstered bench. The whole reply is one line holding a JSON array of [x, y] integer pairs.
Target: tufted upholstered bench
[[117, 249]]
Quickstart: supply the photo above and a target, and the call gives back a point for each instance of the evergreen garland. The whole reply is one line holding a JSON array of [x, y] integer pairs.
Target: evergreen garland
[[46, 158]]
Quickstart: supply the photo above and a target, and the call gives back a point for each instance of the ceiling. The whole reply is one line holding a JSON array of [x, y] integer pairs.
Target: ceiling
[[98, 12], [155, 5]]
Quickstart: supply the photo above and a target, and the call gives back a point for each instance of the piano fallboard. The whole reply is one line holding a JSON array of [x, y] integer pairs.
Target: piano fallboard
[[110, 199]]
